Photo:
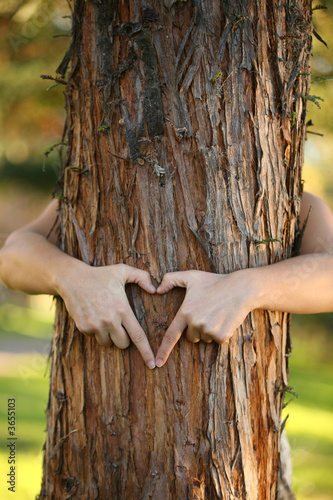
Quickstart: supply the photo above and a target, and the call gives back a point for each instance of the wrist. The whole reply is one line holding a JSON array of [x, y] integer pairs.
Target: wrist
[[66, 273], [254, 287]]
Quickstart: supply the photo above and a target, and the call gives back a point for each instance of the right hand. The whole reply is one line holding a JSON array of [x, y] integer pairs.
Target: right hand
[[215, 305], [95, 297]]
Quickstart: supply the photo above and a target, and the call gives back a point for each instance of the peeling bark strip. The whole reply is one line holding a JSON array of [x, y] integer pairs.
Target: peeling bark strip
[[199, 159]]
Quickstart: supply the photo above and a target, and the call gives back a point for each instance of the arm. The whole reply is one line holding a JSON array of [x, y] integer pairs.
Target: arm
[[303, 284], [215, 305], [28, 259], [94, 296]]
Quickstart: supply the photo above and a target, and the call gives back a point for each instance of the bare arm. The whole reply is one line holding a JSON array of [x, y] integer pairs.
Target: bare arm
[[30, 262], [215, 305], [94, 296], [318, 236], [303, 284]]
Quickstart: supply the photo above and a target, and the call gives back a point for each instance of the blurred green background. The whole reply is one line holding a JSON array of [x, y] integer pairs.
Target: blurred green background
[[33, 39]]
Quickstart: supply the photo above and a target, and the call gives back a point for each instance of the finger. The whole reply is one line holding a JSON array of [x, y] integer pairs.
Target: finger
[[140, 277], [192, 334], [104, 339], [223, 337], [206, 338], [171, 280], [170, 339], [139, 338], [120, 337]]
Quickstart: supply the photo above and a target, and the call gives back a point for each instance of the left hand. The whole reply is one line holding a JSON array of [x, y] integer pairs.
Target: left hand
[[214, 306]]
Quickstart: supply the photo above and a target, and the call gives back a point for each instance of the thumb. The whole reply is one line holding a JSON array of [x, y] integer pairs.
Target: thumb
[[141, 278], [171, 280]]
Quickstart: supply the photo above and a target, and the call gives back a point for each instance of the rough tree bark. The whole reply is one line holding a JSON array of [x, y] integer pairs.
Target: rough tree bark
[[185, 125]]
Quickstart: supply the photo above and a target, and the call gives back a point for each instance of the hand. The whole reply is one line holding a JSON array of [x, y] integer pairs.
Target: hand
[[214, 306], [95, 298]]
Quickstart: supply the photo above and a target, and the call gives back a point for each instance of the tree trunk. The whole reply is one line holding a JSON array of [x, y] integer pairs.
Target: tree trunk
[[186, 125]]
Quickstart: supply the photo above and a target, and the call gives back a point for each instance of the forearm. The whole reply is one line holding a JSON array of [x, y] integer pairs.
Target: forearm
[[95, 297], [31, 264], [302, 284]]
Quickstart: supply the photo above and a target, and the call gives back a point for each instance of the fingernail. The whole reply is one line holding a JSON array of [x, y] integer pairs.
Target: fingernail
[[159, 363], [151, 365], [152, 288]]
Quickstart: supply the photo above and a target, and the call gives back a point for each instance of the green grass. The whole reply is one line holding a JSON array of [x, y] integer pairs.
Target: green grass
[[310, 423], [23, 376], [25, 321], [28, 478], [31, 399]]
